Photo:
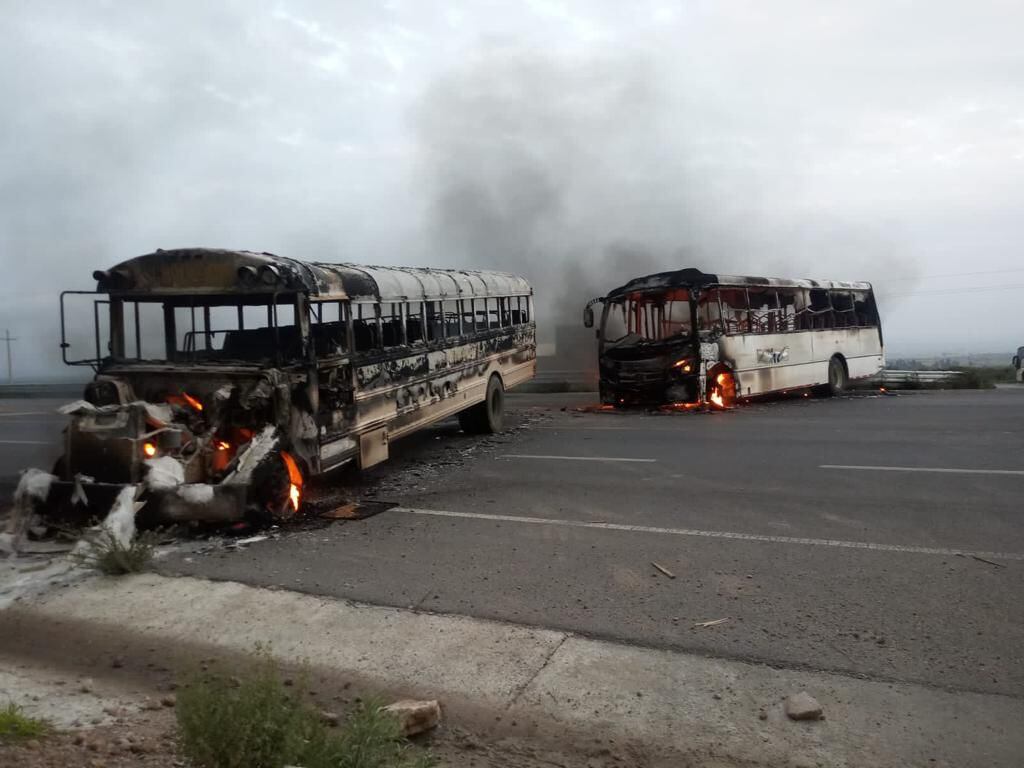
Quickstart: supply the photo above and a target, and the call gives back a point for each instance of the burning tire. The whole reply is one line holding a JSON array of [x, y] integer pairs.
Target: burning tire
[[488, 417], [275, 494], [721, 387]]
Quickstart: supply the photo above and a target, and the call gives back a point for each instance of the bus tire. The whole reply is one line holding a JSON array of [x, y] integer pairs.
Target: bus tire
[[837, 376], [488, 417]]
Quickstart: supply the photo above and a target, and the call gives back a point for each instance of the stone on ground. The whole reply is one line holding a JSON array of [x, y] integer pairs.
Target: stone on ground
[[803, 706], [415, 716]]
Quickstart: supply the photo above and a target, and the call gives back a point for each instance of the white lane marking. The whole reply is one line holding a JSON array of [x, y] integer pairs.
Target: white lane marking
[[572, 458], [713, 534], [927, 469], [26, 442]]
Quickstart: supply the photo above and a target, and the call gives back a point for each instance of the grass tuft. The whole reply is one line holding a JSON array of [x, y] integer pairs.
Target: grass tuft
[[252, 720], [16, 726], [106, 554]]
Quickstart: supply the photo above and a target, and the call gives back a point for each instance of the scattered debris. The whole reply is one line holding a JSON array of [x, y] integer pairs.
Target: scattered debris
[[332, 719], [164, 473], [415, 716], [663, 569], [711, 623], [33, 487], [344, 512], [250, 540], [990, 562], [803, 706]]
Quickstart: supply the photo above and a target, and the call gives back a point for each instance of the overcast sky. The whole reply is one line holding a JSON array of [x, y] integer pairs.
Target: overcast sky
[[578, 142]]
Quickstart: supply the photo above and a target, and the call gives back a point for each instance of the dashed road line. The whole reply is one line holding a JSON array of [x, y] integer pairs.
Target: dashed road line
[[925, 469], [573, 458], [873, 546]]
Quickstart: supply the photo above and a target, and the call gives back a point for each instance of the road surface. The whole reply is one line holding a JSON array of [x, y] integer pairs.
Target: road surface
[[877, 536], [30, 431]]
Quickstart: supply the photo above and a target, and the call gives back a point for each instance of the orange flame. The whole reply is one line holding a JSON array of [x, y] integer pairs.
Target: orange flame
[[223, 445], [149, 449], [723, 393], [192, 401], [294, 478]]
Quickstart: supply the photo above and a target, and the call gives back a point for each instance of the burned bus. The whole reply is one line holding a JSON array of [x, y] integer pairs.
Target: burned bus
[[225, 378], [688, 338]]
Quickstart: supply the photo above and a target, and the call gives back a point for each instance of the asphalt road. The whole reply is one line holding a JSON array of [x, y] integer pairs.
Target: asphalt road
[[887, 571], [30, 432]]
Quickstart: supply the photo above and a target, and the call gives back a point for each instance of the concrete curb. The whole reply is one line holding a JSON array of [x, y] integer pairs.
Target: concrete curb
[[706, 708]]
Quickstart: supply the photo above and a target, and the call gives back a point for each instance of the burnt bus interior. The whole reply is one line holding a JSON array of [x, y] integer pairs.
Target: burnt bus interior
[[263, 330], [643, 317], [241, 373]]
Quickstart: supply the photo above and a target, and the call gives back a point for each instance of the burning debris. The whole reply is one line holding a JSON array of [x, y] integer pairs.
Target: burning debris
[[190, 457]]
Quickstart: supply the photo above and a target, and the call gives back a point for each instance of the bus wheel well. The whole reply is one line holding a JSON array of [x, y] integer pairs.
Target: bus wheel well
[[838, 375], [486, 417]]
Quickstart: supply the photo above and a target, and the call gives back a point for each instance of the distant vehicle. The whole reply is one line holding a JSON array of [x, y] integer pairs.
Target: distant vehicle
[[1018, 363], [689, 338], [236, 374]]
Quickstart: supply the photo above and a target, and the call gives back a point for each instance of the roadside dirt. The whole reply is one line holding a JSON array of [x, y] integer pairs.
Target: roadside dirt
[[111, 703]]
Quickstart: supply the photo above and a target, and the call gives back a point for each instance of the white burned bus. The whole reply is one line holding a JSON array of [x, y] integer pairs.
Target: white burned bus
[[231, 375], [689, 338]]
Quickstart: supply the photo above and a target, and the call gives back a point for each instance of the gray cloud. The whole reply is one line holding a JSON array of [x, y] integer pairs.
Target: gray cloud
[[576, 141]]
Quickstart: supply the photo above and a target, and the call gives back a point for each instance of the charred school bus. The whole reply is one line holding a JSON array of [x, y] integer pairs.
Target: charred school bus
[[226, 378], [690, 338]]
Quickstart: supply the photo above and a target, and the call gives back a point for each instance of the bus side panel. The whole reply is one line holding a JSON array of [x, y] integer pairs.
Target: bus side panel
[[773, 362], [783, 361], [405, 393], [860, 347]]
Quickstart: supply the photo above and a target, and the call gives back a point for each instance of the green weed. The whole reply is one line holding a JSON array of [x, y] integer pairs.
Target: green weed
[[107, 554], [15, 725], [253, 721]]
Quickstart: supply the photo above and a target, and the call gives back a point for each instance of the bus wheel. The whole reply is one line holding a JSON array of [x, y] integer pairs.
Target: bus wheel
[[837, 379], [487, 417]]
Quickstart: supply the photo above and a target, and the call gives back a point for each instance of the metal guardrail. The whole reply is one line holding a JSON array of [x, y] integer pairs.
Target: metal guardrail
[[912, 378], [19, 391]]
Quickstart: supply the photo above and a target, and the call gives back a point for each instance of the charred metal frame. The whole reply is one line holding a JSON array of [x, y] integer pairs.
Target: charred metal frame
[[632, 374], [396, 384]]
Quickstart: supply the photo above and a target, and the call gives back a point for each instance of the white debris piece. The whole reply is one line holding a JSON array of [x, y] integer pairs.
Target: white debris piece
[[78, 406], [120, 520], [161, 412], [35, 484], [164, 473], [257, 450], [196, 493]]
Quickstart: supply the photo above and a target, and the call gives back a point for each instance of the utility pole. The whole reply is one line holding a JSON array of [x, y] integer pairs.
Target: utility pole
[[8, 338]]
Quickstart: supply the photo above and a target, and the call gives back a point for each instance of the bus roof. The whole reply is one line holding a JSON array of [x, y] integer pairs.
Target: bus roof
[[694, 278], [209, 271]]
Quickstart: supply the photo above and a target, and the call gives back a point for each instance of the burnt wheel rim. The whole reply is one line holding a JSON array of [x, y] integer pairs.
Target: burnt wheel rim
[[835, 374]]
